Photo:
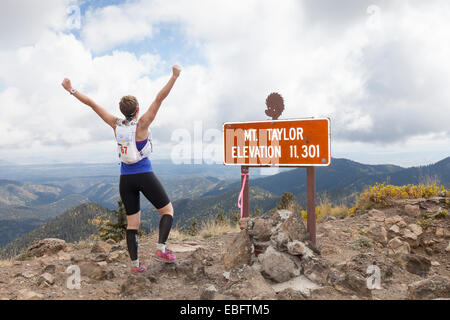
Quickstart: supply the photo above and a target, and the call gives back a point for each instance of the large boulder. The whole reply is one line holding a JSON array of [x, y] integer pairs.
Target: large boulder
[[208, 292], [316, 269], [362, 261], [417, 264], [394, 220], [96, 272], [412, 210], [376, 215], [135, 286], [246, 283], [416, 229], [101, 247], [290, 229], [278, 266], [357, 283], [296, 248], [279, 216], [46, 278], [46, 246], [259, 229], [239, 251], [431, 288], [378, 233], [398, 246], [410, 237], [394, 231]]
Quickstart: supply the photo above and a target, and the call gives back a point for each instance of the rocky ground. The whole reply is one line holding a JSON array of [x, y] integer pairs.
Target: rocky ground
[[271, 259]]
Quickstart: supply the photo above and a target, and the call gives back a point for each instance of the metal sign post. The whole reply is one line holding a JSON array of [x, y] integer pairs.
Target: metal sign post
[[311, 203]]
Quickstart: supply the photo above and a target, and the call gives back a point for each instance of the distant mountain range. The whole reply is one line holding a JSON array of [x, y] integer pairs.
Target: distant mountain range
[[25, 206], [73, 225], [343, 178]]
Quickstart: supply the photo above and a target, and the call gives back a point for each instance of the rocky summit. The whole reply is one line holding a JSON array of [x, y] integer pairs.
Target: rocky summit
[[384, 253]]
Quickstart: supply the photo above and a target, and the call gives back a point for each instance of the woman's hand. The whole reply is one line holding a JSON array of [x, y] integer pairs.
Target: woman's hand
[[67, 84], [176, 70]]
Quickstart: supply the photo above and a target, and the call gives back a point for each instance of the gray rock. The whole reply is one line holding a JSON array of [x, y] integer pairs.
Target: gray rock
[[299, 248], [316, 270], [96, 272], [291, 229], [416, 229], [208, 292], [46, 278], [411, 238], [279, 216], [245, 284], [431, 288], [417, 264], [378, 233], [25, 274], [101, 247], [47, 246], [135, 286], [412, 210], [51, 268], [260, 229], [111, 242], [376, 215], [278, 266], [239, 251], [356, 283], [393, 231], [398, 246]]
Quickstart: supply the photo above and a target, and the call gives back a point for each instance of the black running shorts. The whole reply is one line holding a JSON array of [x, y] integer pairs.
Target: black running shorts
[[132, 184]]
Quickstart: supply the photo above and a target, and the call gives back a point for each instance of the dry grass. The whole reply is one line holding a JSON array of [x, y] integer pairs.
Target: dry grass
[[84, 244], [428, 180], [208, 229], [211, 228], [326, 209], [177, 235], [6, 263]]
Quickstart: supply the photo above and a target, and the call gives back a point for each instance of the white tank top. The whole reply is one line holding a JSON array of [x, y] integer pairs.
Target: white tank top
[[126, 142]]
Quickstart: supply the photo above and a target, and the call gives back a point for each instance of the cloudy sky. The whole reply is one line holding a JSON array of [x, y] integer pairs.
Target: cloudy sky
[[379, 69]]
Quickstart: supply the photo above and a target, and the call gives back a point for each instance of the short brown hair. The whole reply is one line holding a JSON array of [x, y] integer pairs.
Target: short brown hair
[[128, 105]]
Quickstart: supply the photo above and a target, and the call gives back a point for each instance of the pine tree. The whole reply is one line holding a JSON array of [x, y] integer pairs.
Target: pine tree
[[235, 217], [288, 202], [256, 212], [220, 217], [285, 200], [193, 229], [116, 230]]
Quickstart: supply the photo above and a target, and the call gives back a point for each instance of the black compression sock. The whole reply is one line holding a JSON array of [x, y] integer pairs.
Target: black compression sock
[[132, 243], [165, 224]]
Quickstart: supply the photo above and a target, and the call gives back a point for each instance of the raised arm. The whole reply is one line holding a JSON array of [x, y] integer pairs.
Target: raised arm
[[105, 115], [148, 117]]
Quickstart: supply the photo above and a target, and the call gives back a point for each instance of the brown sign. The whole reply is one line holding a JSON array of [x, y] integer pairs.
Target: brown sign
[[294, 142]]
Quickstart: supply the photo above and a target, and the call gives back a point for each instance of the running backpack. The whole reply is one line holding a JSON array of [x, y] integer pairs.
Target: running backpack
[[126, 142]]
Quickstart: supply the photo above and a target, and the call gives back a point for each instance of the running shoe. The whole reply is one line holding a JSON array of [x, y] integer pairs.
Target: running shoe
[[139, 269], [165, 257]]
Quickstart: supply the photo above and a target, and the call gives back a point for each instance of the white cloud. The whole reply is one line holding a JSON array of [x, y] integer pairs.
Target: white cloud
[[24, 21], [380, 85], [112, 25]]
